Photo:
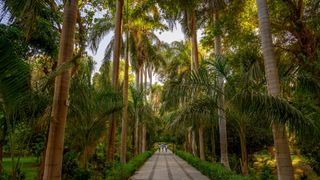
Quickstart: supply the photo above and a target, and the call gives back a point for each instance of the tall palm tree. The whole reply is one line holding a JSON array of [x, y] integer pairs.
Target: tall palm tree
[[115, 74], [141, 38], [88, 114], [54, 151], [124, 124], [284, 163], [221, 110]]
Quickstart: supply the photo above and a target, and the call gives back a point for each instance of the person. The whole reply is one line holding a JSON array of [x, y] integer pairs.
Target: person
[[162, 147], [166, 146]]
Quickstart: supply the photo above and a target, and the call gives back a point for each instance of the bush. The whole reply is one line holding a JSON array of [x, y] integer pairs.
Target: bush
[[71, 168], [213, 171], [267, 173], [125, 171]]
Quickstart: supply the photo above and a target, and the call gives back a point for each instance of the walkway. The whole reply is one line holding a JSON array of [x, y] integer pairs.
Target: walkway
[[166, 165]]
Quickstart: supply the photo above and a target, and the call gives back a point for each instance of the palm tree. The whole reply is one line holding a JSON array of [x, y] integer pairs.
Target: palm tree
[[141, 39], [115, 74], [124, 124], [88, 114], [54, 151], [244, 103], [221, 110], [284, 163]]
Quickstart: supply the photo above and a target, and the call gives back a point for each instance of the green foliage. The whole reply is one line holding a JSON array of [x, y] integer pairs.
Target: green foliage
[[267, 173], [71, 168], [27, 167], [212, 170], [123, 172]]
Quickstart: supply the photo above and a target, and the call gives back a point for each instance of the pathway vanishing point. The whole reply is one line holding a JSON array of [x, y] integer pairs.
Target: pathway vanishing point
[[166, 165]]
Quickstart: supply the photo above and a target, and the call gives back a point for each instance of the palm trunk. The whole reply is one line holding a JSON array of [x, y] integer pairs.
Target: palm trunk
[[189, 145], [115, 76], [140, 139], [244, 155], [221, 109], [194, 66], [150, 76], [54, 152], [136, 137], [144, 134], [201, 142], [194, 42], [123, 149], [136, 125], [193, 143], [213, 146], [284, 163], [136, 134], [1, 158], [42, 163]]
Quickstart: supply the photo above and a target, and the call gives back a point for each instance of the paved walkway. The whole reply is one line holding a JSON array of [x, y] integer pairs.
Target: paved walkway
[[166, 165]]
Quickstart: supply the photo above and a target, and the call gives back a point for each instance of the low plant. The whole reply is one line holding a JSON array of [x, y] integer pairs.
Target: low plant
[[122, 172], [212, 170]]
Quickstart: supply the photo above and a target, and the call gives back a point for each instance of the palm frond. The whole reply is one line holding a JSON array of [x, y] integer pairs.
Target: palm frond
[[274, 109], [100, 29]]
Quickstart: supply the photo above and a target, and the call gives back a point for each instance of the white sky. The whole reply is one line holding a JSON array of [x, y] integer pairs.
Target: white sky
[[167, 36]]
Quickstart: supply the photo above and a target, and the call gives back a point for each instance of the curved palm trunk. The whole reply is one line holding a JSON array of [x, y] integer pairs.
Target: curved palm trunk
[[201, 142], [54, 151], [284, 163], [221, 109], [115, 75]]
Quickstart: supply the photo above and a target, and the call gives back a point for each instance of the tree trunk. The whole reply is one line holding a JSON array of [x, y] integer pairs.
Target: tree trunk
[[136, 125], [194, 66], [43, 156], [144, 134], [115, 75], [136, 134], [284, 163], [221, 108], [189, 144], [194, 42], [54, 152], [123, 149], [244, 155], [193, 143], [1, 158], [213, 146], [150, 76], [201, 142], [140, 139]]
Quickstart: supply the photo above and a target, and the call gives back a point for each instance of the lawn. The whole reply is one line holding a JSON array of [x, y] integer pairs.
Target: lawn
[[29, 166]]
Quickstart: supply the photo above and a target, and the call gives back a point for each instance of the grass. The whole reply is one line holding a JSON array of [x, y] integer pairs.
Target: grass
[[29, 166]]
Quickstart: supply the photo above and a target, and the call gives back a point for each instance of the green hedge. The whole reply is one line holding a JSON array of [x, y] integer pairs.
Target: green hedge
[[212, 170], [123, 172]]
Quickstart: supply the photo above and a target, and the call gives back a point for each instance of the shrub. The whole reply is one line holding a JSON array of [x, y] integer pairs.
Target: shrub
[[267, 173], [125, 171], [72, 170], [213, 171]]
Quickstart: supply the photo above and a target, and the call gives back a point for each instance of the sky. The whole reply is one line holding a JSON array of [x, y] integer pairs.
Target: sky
[[166, 36]]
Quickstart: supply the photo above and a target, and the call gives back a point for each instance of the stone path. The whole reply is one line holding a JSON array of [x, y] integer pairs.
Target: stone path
[[166, 165]]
